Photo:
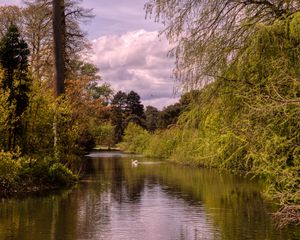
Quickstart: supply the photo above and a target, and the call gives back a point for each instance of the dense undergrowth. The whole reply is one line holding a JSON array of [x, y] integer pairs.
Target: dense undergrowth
[[40, 134], [26, 174], [246, 121], [35, 164]]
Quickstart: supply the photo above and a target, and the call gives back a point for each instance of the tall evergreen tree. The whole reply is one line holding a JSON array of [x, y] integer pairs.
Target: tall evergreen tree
[[134, 109], [134, 105], [126, 108], [118, 114], [14, 62], [152, 118]]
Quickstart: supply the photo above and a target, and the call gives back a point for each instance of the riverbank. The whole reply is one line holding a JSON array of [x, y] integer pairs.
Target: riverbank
[[223, 151], [20, 175]]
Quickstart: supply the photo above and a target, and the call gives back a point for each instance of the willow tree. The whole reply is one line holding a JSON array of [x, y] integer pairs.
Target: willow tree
[[210, 33]]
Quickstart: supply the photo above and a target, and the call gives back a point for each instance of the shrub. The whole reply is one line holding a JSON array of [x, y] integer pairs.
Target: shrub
[[35, 170], [135, 139], [9, 171], [86, 141], [163, 143], [60, 174]]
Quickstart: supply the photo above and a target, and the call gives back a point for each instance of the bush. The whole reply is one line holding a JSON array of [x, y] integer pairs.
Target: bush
[[135, 139], [35, 170], [9, 171], [86, 141], [163, 143], [60, 174]]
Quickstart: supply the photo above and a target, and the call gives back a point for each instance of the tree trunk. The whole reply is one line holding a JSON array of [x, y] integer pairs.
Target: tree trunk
[[59, 30]]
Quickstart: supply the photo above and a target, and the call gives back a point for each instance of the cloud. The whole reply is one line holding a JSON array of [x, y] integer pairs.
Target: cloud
[[129, 59], [137, 61], [11, 2], [118, 17]]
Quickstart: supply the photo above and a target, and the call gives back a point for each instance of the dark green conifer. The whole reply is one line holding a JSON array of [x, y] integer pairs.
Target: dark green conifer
[[14, 62]]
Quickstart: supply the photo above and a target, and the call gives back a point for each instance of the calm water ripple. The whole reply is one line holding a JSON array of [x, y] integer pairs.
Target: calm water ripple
[[151, 201]]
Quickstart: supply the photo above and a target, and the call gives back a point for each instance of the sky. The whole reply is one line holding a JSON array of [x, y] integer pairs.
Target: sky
[[127, 49]]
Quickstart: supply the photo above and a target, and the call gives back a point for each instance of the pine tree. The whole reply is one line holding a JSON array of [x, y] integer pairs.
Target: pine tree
[[14, 63], [117, 115], [134, 109]]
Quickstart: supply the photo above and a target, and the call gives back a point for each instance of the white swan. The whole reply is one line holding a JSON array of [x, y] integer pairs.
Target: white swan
[[134, 162]]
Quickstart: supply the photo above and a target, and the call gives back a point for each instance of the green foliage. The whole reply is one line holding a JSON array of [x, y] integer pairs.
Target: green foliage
[[16, 83], [86, 141], [39, 120], [25, 173], [34, 171], [104, 134], [9, 171], [162, 143], [134, 107], [247, 121], [28, 110], [135, 139], [152, 117], [126, 108], [61, 175], [169, 115]]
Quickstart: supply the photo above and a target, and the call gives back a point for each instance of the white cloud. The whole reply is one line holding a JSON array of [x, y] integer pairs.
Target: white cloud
[[137, 61]]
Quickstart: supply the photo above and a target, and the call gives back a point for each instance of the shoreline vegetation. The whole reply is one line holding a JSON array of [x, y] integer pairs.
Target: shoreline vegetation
[[245, 122], [240, 111], [182, 146], [23, 175], [41, 132], [244, 60]]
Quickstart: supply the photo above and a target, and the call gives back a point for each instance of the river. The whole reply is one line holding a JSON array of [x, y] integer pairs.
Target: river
[[151, 201]]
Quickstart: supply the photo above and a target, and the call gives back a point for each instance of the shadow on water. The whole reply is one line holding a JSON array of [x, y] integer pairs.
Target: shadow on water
[[154, 200]]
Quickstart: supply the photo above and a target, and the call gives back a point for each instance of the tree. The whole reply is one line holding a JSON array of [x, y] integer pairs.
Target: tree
[[210, 34], [35, 24], [119, 100], [9, 15], [169, 115], [104, 134], [134, 109], [38, 31], [59, 35], [117, 115], [14, 62], [126, 108], [152, 117]]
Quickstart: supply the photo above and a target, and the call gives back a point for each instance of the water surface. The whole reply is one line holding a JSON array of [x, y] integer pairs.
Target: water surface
[[152, 201]]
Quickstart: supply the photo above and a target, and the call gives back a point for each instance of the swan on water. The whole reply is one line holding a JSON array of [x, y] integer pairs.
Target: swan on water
[[134, 162]]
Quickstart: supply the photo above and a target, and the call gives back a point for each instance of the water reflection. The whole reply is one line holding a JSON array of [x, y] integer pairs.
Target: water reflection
[[151, 201]]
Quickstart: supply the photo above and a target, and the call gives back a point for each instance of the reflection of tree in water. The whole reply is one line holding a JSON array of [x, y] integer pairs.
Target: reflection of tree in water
[[234, 203], [125, 186], [113, 189]]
